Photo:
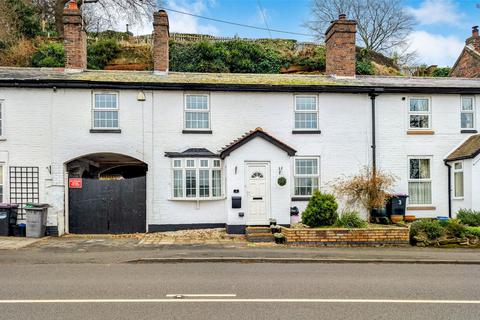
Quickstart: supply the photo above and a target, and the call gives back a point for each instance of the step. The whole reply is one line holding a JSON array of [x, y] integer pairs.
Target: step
[[260, 237], [252, 230]]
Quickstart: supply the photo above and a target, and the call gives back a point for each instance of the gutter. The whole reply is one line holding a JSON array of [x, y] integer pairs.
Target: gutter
[[449, 188], [89, 84]]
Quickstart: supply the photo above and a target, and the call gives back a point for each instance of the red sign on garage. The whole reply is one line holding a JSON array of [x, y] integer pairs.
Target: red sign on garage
[[75, 183]]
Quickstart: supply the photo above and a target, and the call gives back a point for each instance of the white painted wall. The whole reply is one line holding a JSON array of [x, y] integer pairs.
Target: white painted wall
[[45, 128]]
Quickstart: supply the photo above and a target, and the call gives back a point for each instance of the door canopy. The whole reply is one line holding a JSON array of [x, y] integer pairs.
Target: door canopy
[[258, 132]]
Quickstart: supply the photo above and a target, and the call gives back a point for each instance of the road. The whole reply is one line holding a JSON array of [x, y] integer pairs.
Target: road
[[253, 291]]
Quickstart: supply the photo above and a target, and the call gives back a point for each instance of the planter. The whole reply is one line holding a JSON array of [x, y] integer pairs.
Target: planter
[[410, 218], [396, 218]]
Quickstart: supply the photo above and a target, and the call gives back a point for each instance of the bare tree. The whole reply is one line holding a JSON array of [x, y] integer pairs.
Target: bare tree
[[106, 12], [382, 24]]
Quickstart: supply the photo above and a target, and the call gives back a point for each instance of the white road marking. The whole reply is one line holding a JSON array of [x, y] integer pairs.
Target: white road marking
[[99, 301], [201, 295]]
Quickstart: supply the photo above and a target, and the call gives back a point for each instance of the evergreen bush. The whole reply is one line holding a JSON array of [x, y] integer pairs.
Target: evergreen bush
[[321, 210]]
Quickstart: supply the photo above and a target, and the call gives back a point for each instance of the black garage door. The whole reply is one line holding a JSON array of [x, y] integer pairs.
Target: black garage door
[[108, 206]]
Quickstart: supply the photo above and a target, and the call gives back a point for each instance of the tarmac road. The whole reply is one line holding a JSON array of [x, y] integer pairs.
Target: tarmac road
[[239, 291]]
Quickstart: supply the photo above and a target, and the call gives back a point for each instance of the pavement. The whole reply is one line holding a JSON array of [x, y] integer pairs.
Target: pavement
[[239, 291], [11, 243], [135, 249]]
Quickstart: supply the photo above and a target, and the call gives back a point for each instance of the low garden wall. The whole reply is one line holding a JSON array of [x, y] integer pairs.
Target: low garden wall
[[347, 237]]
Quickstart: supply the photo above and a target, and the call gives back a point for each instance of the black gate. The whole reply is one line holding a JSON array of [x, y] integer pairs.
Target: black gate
[[108, 206]]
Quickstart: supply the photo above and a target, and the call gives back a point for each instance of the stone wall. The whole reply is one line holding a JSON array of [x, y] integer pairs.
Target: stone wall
[[347, 237]]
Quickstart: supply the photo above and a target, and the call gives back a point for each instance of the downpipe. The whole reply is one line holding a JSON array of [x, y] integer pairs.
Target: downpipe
[[449, 189]]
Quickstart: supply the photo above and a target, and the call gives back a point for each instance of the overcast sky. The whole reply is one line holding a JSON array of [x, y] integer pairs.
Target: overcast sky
[[442, 25]]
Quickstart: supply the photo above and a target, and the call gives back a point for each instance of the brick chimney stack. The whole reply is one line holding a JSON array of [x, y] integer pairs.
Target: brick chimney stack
[[474, 40], [75, 38], [340, 47], [160, 42]]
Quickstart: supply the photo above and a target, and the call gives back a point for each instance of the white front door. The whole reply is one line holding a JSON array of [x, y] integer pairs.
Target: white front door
[[258, 192]]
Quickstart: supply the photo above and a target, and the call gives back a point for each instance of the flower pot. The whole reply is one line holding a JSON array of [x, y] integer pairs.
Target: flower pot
[[410, 218], [396, 218]]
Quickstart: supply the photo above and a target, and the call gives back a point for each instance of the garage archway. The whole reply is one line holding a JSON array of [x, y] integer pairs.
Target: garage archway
[[107, 194]]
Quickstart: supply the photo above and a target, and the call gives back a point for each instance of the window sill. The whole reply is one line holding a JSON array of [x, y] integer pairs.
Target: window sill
[[197, 131], [420, 132], [306, 131], [105, 130], [305, 198], [422, 208], [197, 199], [3, 139], [468, 131], [458, 198]]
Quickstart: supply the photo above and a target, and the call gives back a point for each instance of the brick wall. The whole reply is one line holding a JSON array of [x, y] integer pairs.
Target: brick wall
[[160, 41], [347, 237], [340, 47], [75, 38]]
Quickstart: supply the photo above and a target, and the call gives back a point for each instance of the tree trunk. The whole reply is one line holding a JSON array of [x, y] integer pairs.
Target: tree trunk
[[59, 5]]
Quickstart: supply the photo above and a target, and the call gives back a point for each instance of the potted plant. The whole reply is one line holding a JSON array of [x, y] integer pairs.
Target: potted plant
[[279, 238]]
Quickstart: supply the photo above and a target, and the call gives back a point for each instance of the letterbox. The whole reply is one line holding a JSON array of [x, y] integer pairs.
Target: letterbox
[[236, 202]]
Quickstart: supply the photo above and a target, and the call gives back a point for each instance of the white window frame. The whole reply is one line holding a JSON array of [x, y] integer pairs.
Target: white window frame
[[473, 112], [197, 167], [3, 197], [430, 158], [185, 110], [2, 119], [461, 170], [295, 175], [420, 113], [295, 111], [94, 108]]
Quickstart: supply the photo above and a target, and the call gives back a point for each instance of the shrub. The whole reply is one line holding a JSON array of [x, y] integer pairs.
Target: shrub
[[364, 67], [321, 210], [49, 55], [441, 72], [101, 52], [431, 229], [473, 231], [469, 217], [453, 227], [350, 219]]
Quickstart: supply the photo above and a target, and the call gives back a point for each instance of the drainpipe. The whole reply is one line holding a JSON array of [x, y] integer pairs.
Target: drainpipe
[[449, 188], [376, 92]]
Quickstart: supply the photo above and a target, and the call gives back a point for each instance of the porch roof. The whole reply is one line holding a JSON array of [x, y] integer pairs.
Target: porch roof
[[258, 132], [470, 148], [192, 153]]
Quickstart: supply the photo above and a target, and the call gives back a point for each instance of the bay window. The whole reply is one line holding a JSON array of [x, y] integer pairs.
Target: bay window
[[306, 176], [196, 179], [420, 181]]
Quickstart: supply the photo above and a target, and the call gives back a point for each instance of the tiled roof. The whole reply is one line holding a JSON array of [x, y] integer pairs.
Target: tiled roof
[[147, 77], [192, 152], [258, 132], [470, 148]]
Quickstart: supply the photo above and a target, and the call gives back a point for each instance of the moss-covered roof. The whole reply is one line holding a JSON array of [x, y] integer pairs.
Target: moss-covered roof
[[147, 77], [470, 148]]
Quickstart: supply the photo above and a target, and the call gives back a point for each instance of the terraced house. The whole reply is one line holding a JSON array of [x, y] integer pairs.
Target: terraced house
[[128, 151]]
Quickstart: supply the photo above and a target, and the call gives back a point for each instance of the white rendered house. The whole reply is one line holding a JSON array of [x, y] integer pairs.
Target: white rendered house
[[126, 151]]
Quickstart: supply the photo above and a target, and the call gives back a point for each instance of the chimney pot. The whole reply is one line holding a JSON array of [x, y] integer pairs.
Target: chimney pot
[[75, 38], [160, 42], [340, 47], [475, 31]]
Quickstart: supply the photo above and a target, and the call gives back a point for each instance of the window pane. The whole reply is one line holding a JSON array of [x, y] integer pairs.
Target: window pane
[[458, 177], [305, 103], [458, 166], [216, 163], [197, 102], [191, 183], [419, 168], [306, 166], [177, 163], [305, 120], [467, 103], [419, 121], [177, 183], [105, 100], [419, 105], [204, 183], [305, 186], [190, 163], [467, 120], [420, 192], [105, 119], [216, 183], [196, 120], [204, 163]]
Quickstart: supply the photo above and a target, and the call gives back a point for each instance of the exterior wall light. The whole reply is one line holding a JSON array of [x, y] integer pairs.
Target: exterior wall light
[[141, 96]]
